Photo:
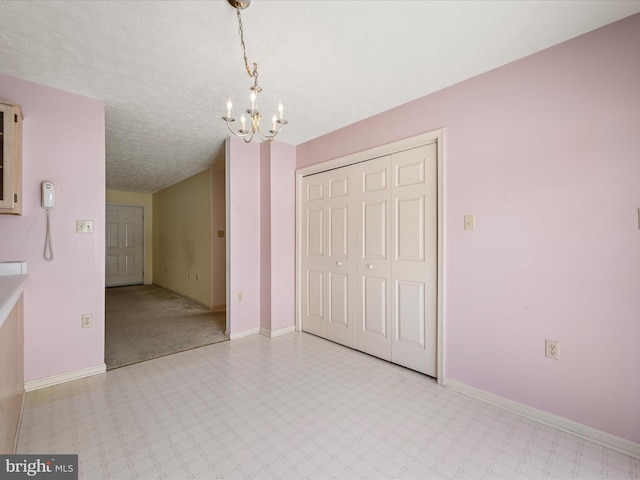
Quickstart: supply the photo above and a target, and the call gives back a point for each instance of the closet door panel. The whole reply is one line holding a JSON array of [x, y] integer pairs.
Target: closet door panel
[[374, 229], [315, 232], [339, 300], [409, 301], [374, 294], [409, 229], [339, 231], [373, 266], [340, 241], [313, 259], [414, 245], [315, 295]]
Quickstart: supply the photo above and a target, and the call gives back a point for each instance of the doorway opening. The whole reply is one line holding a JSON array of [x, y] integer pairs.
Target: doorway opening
[[165, 269], [147, 321]]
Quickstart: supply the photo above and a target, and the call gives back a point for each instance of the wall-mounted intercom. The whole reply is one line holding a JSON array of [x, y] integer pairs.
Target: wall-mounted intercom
[[48, 195]]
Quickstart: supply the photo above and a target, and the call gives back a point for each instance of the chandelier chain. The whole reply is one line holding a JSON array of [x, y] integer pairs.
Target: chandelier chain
[[252, 73]]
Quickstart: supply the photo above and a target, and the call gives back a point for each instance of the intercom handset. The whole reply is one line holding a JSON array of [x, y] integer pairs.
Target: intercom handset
[[48, 195], [48, 192]]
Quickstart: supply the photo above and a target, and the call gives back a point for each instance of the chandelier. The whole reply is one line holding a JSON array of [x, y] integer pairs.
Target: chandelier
[[251, 126]]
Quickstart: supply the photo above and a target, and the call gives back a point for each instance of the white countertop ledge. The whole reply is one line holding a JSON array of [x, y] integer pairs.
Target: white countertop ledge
[[11, 287]]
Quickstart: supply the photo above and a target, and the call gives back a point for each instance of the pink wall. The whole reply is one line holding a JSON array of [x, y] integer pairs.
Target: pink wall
[[63, 141], [544, 151], [261, 195], [278, 262], [243, 194]]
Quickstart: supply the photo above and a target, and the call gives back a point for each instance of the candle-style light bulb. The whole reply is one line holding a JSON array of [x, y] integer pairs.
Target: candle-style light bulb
[[253, 100], [280, 109], [273, 122], [229, 105], [243, 121]]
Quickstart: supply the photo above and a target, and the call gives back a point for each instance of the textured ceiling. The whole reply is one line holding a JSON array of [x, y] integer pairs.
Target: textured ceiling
[[166, 68]]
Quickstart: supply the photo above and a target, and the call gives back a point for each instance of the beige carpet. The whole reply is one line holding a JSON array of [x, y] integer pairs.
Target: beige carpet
[[147, 321]]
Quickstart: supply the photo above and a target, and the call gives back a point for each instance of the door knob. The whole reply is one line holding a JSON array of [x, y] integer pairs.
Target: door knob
[[370, 267], [339, 263]]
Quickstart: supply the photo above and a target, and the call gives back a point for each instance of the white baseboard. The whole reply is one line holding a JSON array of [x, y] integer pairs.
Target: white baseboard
[[243, 333], [262, 331], [64, 377], [619, 444], [276, 333]]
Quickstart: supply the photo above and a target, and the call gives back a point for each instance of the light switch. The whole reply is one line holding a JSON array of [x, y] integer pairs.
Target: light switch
[[469, 222], [84, 226]]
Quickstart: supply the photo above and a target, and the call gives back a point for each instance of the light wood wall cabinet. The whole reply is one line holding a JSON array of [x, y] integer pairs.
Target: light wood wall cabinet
[[10, 159]]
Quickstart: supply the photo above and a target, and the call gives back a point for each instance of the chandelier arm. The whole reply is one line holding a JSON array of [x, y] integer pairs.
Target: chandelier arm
[[237, 134], [266, 137]]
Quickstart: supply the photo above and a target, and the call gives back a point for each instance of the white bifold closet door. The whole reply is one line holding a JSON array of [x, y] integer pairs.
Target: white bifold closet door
[[313, 256], [373, 266], [340, 257], [369, 265]]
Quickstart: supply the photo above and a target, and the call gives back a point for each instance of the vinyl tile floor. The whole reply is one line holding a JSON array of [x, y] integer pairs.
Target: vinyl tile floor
[[296, 407]]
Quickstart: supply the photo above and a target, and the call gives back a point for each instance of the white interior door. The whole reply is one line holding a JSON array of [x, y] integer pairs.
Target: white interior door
[[414, 270], [373, 266], [124, 246], [313, 258]]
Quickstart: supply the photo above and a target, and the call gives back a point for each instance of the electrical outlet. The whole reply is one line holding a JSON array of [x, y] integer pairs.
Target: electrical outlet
[[87, 320], [551, 349], [239, 297]]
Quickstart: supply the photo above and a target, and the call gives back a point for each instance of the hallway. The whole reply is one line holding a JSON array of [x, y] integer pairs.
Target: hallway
[[148, 321]]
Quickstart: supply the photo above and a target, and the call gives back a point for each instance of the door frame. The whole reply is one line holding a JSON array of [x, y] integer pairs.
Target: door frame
[[435, 136]]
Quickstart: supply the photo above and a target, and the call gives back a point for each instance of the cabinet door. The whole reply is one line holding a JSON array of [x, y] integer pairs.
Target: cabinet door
[[10, 158], [373, 266], [6, 157]]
